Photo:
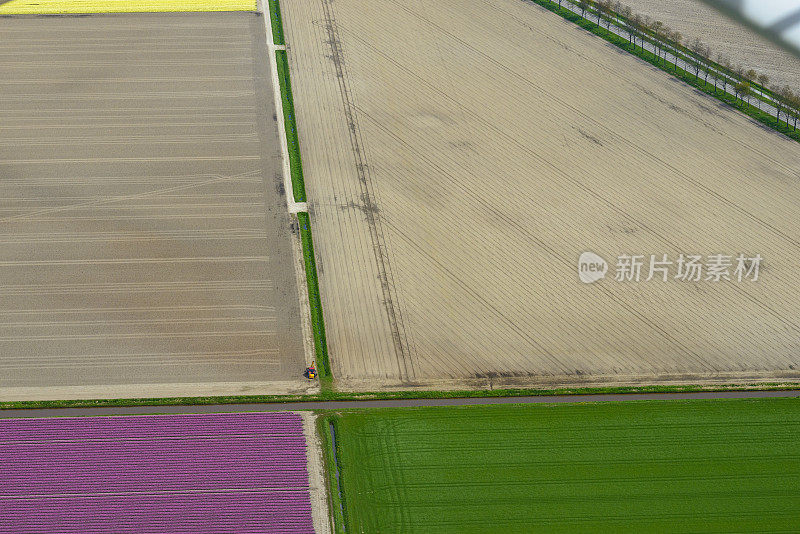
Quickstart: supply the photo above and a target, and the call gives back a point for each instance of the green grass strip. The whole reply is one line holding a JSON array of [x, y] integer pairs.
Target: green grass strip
[[328, 395], [277, 25], [299, 193], [708, 88], [335, 498], [317, 321], [292, 140]]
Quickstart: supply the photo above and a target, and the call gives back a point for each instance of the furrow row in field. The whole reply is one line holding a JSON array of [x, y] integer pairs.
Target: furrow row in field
[[490, 150]]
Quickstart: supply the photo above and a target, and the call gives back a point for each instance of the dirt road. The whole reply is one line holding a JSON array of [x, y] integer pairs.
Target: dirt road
[[350, 405]]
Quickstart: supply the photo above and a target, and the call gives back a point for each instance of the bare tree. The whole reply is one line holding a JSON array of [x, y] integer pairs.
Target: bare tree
[[705, 53], [605, 8], [697, 47], [752, 75], [627, 13], [742, 90], [790, 110], [763, 80], [637, 25], [677, 38], [795, 106], [583, 5], [664, 35], [656, 27], [725, 62], [717, 76], [738, 77], [747, 92], [598, 11], [783, 99]]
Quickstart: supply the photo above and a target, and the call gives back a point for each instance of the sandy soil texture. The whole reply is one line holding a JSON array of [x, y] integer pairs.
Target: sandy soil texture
[[743, 46], [461, 155], [143, 223]]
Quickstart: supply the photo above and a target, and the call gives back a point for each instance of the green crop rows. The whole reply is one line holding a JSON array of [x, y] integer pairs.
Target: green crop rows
[[649, 466]]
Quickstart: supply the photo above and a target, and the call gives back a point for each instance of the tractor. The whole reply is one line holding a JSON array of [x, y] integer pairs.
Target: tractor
[[310, 372]]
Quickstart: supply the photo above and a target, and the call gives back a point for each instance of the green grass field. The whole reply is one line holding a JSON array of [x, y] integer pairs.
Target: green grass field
[[649, 466]]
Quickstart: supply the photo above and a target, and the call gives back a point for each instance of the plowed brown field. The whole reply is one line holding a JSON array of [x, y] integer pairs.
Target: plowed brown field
[[145, 247], [460, 155]]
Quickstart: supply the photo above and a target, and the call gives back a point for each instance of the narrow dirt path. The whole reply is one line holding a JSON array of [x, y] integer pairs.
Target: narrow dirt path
[[398, 403]]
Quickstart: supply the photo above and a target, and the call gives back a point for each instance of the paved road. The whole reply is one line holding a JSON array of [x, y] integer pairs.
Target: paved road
[[345, 405]]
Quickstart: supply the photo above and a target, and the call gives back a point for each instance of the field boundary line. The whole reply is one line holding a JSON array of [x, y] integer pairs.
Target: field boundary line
[[411, 398], [278, 98], [293, 181], [317, 485], [326, 430]]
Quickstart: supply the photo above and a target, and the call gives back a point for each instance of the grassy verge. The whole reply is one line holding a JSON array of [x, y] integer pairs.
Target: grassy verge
[[335, 499], [689, 78], [328, 395], [299, 193], [317, 319], [292, 141], [651, 466], [277, 25]]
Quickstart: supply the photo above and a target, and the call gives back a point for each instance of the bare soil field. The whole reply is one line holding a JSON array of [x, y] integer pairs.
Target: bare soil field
[[461, 155], [743, 46], [146, 245]]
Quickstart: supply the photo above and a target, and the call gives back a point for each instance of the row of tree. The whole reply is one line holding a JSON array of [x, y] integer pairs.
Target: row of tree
[[696, 54]]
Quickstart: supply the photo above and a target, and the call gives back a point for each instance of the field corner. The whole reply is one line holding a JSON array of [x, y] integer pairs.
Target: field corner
[[692, 80]]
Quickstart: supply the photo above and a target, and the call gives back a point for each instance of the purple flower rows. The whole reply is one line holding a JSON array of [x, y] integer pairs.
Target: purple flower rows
[[242, 473]]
